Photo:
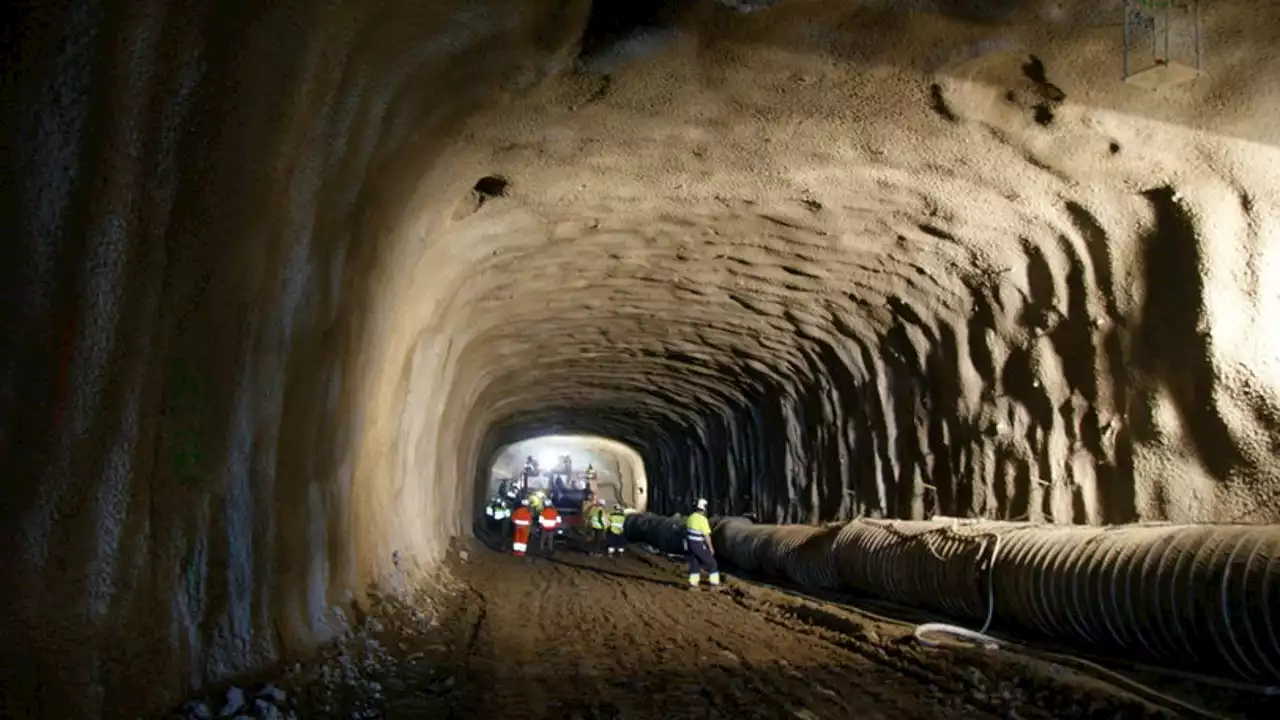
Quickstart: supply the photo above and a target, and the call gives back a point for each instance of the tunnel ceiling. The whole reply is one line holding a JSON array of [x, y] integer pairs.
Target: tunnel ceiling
[[285, 276], [962, 274]]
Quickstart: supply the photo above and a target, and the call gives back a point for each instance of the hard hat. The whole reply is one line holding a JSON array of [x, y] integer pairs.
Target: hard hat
[[702, 504]]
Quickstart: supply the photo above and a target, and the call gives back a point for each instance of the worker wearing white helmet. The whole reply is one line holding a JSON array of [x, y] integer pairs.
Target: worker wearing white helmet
[[701, 551], [616, 531]]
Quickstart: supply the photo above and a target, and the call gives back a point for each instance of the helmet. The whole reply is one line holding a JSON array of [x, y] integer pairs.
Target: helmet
[[524, 501], [702, 504]]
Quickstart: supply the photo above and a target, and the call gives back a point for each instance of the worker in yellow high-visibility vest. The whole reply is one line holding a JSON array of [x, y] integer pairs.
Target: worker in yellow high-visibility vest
[[700, 550], [597, 521], [617, 538]]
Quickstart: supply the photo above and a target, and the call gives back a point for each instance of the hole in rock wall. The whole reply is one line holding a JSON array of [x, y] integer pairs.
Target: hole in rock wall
[[491, 186], [613, 22]]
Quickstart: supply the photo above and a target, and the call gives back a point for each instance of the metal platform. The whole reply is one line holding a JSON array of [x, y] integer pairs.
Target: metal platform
[[1158, 77]]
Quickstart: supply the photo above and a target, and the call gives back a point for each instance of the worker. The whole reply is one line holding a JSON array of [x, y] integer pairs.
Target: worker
[[507, 505], [501, 512], [496, 512], [617, 539], [522, 518], [536, 502], [549, 522], [701, 552], [597, 521]]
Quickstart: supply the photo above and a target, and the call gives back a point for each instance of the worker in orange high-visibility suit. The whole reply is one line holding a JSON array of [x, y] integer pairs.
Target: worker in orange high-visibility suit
[[549, 523], [522, 519]]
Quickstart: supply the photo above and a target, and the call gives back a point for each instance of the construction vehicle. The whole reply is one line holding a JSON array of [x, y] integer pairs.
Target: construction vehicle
[[569, 498]]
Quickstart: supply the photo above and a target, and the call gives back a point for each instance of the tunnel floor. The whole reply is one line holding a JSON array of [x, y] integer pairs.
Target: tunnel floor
[[592, 637], [584, 637]]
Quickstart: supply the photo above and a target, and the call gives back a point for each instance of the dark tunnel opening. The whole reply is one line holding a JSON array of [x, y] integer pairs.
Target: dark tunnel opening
[[610, 23]]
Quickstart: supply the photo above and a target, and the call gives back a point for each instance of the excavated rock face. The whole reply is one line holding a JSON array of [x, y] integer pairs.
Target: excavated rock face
[[282, 278]]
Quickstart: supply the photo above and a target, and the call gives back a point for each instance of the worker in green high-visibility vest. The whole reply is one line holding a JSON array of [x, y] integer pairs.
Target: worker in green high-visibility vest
[[617, 538], [598, 521], [699, 548]]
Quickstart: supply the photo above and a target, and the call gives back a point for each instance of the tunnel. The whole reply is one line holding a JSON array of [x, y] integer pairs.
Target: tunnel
[[282, 281], [618, 470]]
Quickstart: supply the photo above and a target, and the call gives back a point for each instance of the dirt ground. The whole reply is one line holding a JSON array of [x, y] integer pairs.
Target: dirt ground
[[583, 637]]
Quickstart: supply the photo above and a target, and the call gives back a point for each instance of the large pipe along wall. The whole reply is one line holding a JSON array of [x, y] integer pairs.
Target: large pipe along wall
[[1202, 596]]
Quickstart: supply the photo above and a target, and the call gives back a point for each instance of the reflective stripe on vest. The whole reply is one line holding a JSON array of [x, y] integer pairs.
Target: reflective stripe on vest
[[548, 524], [695, 536], [519, 547], [521, 523]]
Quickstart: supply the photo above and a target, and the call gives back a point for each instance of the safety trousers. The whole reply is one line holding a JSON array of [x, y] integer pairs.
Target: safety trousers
[[520, 543], [701, 558]]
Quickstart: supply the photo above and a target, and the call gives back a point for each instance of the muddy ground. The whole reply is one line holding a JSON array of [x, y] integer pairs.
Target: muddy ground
[[586, 637]]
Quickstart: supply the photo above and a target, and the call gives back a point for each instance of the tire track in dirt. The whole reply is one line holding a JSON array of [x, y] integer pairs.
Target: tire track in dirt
[[998, 683], [766, 646], [657, 649], [498, 646], [720, 640]]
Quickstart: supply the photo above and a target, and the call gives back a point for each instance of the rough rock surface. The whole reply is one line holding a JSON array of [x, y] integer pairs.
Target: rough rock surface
[[280, 276]]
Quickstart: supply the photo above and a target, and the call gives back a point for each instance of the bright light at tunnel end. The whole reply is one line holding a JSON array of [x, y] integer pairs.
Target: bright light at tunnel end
[[621, 470]]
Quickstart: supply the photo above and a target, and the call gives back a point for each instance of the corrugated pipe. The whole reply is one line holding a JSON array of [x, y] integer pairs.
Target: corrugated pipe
[[1199, 596], [664, 533]]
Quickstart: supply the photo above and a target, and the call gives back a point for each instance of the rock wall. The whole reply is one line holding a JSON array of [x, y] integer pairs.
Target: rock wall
[[282, 278], [221, 420]]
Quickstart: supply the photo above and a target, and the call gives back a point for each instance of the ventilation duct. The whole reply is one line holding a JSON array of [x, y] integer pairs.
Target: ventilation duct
[[1201, 596]]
